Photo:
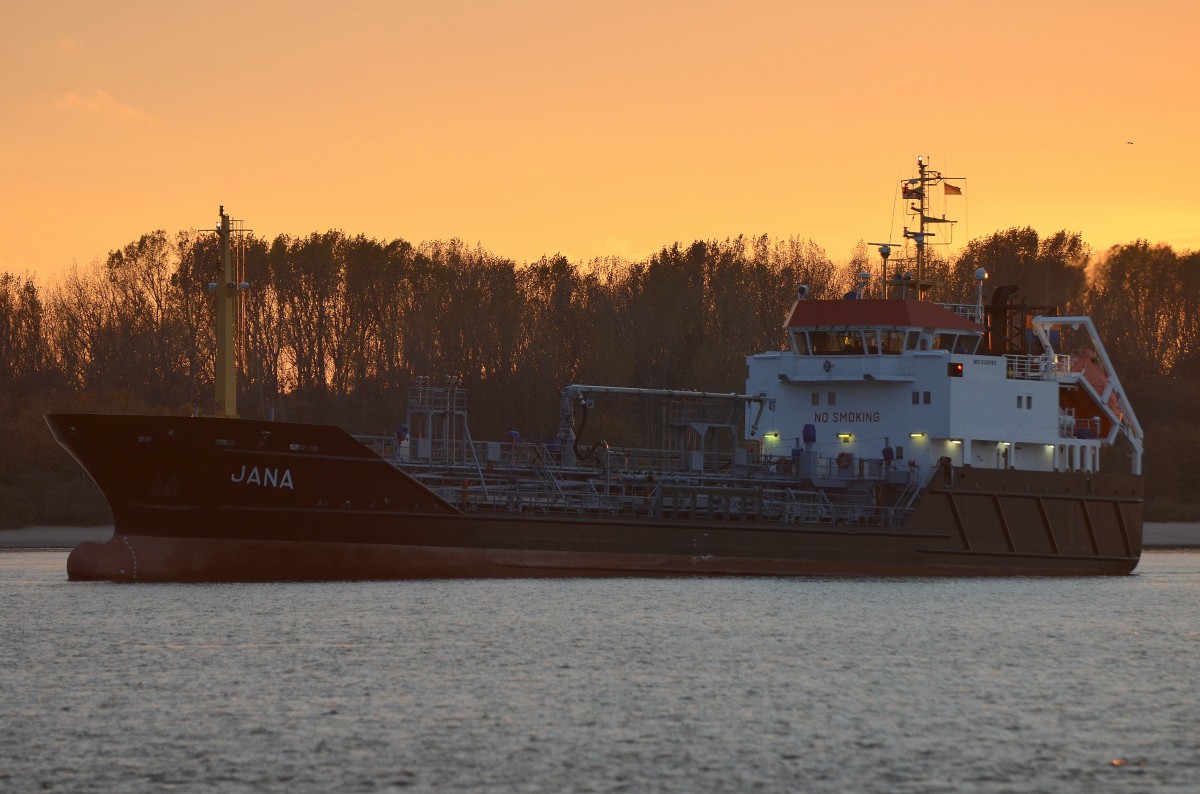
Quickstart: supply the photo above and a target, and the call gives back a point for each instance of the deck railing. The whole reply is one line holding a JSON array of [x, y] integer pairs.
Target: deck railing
[[969, 311], [1024, 367], [664, 484]]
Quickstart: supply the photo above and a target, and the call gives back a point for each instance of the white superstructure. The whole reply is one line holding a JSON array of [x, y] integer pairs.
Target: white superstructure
[[902, 384]]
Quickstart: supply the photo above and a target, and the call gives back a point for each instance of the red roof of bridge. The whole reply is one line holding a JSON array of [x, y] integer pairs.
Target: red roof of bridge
[[875, 313]]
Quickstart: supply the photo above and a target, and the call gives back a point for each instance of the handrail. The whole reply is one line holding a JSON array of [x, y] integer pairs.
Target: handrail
[[657, 483], [968, 311]]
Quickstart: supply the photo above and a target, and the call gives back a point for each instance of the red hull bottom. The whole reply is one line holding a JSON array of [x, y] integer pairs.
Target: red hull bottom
[[134, 558]]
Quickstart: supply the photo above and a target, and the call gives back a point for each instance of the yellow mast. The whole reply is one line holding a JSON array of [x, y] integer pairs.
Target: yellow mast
[[227, 293]]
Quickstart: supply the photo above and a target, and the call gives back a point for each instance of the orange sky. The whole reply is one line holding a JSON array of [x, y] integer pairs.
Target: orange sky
[[591, 129]]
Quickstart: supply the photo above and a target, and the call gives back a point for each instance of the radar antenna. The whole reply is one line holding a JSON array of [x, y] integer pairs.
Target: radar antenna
[[885, 251]]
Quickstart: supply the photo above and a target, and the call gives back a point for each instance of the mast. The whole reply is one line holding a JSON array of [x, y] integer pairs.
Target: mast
[[919, 236], [227, 293], [917, 190]]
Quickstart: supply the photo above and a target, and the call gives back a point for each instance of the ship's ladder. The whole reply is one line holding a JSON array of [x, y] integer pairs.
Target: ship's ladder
[[475, 457], [547, 472], [910, 492]]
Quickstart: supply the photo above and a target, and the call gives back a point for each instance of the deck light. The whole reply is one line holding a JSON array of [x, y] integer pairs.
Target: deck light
[[916, 435], [845, 437]]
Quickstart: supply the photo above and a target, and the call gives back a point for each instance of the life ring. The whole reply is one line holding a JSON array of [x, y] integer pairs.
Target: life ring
[[844, 459]]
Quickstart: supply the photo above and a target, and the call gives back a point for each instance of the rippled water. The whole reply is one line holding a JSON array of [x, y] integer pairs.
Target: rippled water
[[1054, 685]]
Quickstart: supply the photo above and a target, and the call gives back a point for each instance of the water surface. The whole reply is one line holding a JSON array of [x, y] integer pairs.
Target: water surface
[[690, 685]]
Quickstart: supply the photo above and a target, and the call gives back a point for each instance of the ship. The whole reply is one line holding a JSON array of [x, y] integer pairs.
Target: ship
[[891, 436]]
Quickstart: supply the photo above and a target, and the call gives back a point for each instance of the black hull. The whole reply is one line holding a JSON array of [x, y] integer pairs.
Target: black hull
[[203, 499]]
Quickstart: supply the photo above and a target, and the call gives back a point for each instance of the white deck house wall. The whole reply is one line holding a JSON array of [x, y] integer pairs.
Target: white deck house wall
[[988, 417]]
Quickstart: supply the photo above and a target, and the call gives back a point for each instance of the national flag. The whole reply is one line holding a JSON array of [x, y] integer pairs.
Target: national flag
[[911, 192], [951, 190]]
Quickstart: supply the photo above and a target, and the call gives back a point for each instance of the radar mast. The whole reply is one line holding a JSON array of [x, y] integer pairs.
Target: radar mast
[[914, 282]]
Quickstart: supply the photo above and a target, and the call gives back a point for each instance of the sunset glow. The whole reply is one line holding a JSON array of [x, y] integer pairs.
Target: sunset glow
[[605, 129]]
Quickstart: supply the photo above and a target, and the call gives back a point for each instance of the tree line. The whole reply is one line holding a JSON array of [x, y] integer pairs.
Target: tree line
[[334, 328]]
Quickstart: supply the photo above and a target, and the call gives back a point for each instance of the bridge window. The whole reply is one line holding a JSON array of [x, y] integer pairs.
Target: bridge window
[[891, 343], [837, 343], [966, 343], [872, 339], [943, 341], [800, 343], [956, 343]]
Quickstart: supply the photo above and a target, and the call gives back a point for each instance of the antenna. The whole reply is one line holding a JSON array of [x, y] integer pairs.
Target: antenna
[[885, 251], [981, 275]]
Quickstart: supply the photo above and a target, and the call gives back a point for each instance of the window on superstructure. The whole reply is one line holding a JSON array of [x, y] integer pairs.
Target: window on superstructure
[[966, 343], [943, 341], [891, 343], [836, 343], [832, 398], [917, 398], [816, 398], [871, 338], [926, 397], [800, 343], [911, 340]]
